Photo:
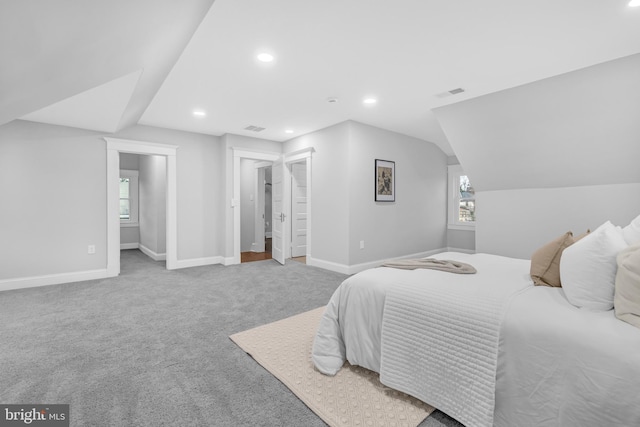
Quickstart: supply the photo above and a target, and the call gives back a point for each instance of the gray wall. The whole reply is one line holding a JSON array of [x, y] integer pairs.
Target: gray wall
[[55, 180], [343, 208], [416, 221], [329, 191], [230, 141], [129, 235], [247, 204], [551, 156], [153, 203], [517, 222], [54, 202], [462, 240], [200, 188]]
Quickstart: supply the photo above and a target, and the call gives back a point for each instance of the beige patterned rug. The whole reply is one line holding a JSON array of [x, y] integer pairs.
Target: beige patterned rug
[[353, 397]]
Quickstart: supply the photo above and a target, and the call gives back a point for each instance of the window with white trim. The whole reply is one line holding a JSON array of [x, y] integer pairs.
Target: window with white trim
[[128, 198], [462, 200]]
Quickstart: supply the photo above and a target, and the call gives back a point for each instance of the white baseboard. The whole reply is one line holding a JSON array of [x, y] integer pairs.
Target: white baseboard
[[267, 234], [51, 279], [197, 262], [464, 251], [371, 264], [124, 246], [356, 268], [151, 254], [328, 265]]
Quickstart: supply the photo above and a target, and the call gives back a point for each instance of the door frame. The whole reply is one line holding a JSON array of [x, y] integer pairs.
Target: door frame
[[298, 156], [292, 157], [260, 203], [115, 146], [238, 154]]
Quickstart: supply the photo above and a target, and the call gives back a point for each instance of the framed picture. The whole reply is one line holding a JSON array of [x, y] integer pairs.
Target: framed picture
[[385, 183]]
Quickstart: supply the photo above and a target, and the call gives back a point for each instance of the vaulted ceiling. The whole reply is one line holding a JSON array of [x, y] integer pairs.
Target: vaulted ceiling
[[109, 65]]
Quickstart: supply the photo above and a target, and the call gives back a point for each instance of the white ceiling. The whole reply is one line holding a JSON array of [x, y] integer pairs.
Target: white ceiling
[[99, 108], [403, 52]]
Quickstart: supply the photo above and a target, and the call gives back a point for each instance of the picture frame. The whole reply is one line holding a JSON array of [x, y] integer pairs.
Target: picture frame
[[385, 181]]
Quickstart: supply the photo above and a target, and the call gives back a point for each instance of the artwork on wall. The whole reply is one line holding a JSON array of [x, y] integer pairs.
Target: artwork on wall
[[385, 181]]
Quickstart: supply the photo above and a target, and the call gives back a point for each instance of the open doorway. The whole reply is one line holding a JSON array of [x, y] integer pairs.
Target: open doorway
[[116, 146], [281, 200], [143, 186], [256, 210]]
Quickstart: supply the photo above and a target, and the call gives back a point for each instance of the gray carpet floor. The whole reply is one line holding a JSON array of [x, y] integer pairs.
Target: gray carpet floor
[[151, 347]]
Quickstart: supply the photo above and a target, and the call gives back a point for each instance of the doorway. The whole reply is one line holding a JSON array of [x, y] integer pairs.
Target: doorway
[[255, 210], [114, 148], [281, 199], [143, 183]]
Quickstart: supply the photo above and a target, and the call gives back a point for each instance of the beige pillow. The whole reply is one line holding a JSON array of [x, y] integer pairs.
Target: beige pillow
[[545, 262], [626, 300]]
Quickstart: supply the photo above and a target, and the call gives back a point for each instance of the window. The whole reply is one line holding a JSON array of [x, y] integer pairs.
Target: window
[[462, 200], [128, 198]]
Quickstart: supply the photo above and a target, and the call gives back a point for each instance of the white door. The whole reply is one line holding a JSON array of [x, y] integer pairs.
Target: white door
[[278, 207], [299, 209]]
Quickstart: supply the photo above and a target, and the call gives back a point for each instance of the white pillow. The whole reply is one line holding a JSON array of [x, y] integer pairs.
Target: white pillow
[[588, 268], [631, 232]]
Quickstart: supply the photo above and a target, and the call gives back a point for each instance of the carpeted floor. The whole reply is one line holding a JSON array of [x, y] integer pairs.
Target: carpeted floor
[[351, 398], [151, 346]]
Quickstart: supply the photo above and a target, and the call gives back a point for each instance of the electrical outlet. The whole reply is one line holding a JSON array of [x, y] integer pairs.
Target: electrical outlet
[[361, 244], [91, 249]]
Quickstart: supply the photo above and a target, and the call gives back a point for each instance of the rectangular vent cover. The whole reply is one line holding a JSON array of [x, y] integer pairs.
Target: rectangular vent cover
[[254, 128], [450, 92]]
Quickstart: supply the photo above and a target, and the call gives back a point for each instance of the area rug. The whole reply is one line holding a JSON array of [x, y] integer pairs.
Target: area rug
[[353, 397]]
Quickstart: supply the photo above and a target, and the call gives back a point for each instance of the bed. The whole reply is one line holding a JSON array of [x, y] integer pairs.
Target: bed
[[487, 348]]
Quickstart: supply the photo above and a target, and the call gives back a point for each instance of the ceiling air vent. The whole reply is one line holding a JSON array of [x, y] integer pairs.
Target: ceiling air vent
[[450, 92], [254, 128]]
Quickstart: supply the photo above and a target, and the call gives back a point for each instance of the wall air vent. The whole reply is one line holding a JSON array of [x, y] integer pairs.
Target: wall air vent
[[254, 128]]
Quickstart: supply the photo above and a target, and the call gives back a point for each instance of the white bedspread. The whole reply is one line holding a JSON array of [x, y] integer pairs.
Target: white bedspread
[[382, 318], [564, 366], [557, 365]]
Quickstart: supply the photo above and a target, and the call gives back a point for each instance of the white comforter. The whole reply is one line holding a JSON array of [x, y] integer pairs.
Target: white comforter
[[551, 368]]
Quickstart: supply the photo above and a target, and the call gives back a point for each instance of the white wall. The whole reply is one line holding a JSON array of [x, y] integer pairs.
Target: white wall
[[152, 183], [517, 222]]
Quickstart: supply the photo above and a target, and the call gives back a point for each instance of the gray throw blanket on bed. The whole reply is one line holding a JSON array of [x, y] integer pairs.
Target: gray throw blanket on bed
[[433, 264]]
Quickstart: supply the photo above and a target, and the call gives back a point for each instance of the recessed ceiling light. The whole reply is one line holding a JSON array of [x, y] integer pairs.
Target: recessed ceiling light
[[634, 3], [199, 113], [288, 131], [369, 101], [265, 57]]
